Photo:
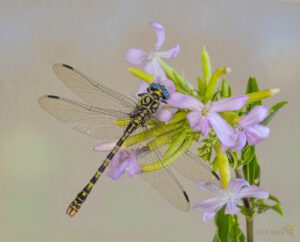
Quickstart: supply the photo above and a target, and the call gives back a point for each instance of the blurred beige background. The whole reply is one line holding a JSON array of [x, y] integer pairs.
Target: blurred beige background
[[43, 164]]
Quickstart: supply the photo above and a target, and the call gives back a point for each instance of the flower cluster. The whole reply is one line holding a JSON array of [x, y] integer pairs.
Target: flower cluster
[[202, 116], [226, 127]]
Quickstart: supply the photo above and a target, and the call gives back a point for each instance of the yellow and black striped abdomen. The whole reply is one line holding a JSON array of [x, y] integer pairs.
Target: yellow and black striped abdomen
[[81, 196], [148, 105]]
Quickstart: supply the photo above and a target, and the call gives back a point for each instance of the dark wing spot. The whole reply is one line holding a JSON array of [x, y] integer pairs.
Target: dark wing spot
[[53, 96], [186, 196], [70, 67], [216, 175]]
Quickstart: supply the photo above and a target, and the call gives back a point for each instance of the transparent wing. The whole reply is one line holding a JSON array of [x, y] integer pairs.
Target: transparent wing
[[164, 181], [92, 92], [194, 168], [186, 162], [93, 121], [168, 187]]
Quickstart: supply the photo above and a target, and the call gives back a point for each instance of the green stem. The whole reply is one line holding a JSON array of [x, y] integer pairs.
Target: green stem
[[249, 221], [249, 225]]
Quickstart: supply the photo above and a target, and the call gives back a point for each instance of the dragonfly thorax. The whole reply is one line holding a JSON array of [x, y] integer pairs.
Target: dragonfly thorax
[[147, 106], [150, 102]]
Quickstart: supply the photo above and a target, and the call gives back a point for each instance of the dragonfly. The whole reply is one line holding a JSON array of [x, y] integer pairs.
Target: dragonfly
[[96, 117]]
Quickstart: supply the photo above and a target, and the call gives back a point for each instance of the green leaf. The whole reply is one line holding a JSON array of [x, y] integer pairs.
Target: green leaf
[[201, 86], [216, 96], [169, 158], [215, 165], [174, 146], [248, 212], [251, 171], [225, 89], [252, 86], [180, 83], [273, 111], [228, 229], [206, 67], [262, 206], [214, 81], [177, 117], [152, 132], [224, 167], [231, 117], [273, 198], [233, 158], [205, 151], [247, 154]]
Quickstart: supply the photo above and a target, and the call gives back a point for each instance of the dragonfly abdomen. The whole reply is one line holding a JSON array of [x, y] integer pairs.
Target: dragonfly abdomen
[[149, 104], [82, 196]]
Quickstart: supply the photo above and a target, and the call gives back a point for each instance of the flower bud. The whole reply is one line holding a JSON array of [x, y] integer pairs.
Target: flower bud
[[256, 96], [142, 75]]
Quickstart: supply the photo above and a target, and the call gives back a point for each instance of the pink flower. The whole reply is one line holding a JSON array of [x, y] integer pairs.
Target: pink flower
[[249, 130], [231, 197], [137, 56], [124, 160], [204, 116]]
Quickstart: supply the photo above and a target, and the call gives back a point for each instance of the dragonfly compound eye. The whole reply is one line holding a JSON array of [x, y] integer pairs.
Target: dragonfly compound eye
[[165, 94], [154, 86]]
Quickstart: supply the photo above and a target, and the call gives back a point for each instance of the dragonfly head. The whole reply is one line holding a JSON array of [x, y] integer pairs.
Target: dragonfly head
[[160, 90]]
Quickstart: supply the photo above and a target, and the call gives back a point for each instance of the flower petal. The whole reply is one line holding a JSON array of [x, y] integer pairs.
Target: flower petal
[[210, 187], [231, 207], [208, 204], [209, 214], [229, 104], [116, 172], [154, 68], [223, 130], [165, 114], [241, 141], [171, 53], [136, 56], [255, 116], [169, 85], [211, 206], [133, 165], [257, 133], [236, 184], [160, 35], [105, 146], [253, 191], [198, 122], [122, 161], [115, 161], [179, 100]]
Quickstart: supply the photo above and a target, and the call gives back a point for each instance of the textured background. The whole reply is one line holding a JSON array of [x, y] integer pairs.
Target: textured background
[[43, 164]]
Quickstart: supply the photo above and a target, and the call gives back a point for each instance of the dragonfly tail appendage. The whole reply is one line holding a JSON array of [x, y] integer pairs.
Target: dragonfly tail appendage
[[76, 204]]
